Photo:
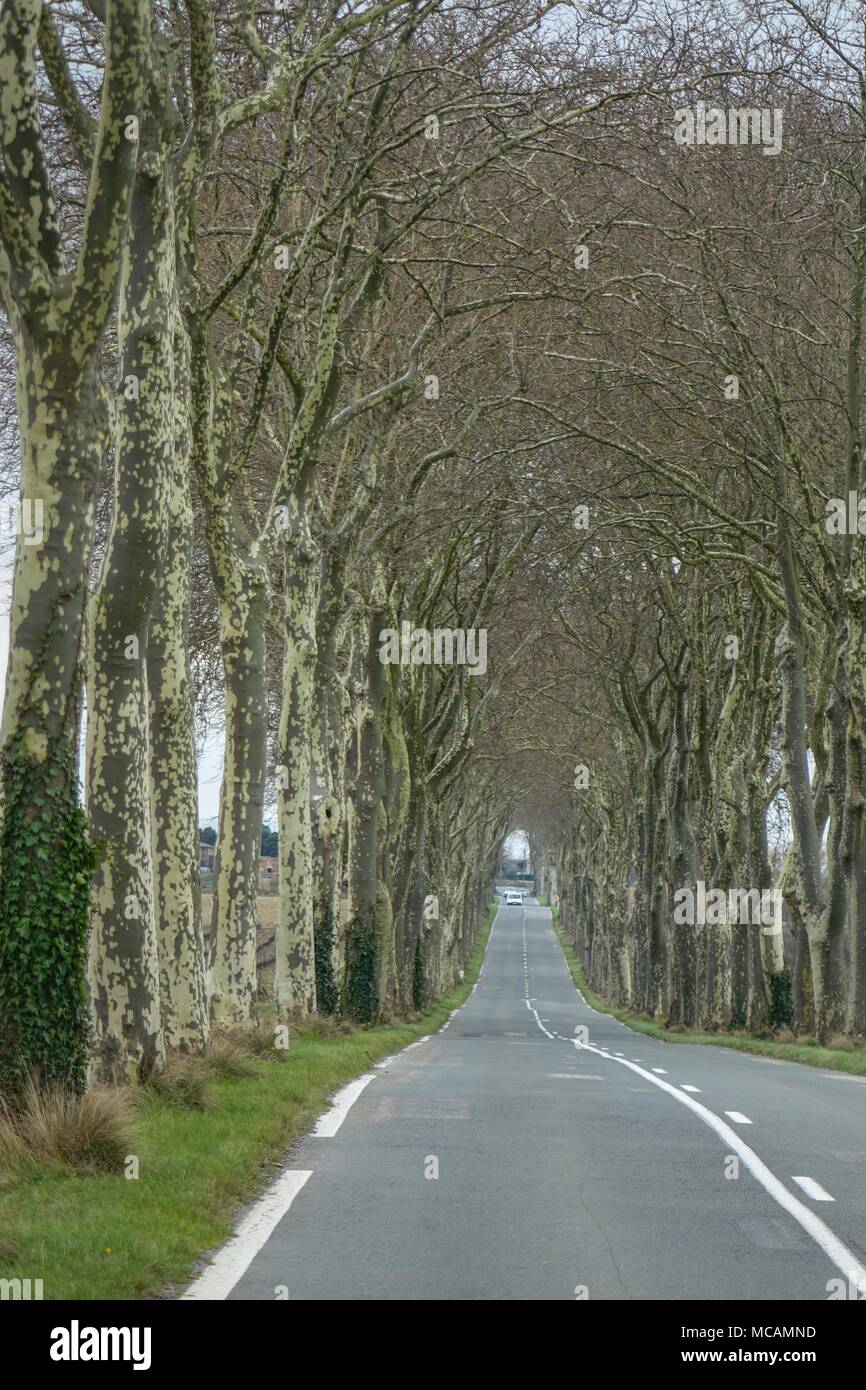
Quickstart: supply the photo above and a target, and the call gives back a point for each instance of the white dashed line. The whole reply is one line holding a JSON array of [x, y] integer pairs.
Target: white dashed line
[[836, 1251], [696, 1089], [814, 1189]]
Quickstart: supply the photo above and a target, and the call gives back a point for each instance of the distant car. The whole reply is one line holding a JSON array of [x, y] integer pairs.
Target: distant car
[[513, 899]]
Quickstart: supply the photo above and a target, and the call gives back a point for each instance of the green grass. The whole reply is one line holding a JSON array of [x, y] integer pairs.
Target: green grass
[[100, 1237], [807, 1051]]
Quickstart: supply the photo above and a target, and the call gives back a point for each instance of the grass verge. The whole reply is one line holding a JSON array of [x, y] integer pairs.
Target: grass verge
[[107, 1236], [807, 1051]]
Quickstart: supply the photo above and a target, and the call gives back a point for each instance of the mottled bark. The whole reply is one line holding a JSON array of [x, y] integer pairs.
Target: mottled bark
[[123, 970], [295, 980], [173, 763], [805, 864], [331, 730], [243, 609], [370, 967], [57, 321]]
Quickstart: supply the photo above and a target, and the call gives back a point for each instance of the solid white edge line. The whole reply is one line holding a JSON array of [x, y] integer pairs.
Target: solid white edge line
[[814, 1189], [234, 1258], [328, 1124], [836, 1250]]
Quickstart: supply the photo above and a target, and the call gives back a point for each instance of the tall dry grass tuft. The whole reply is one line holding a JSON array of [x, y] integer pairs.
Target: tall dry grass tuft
[[320, 1026], [88, 1133], [183, 1083], [229, 1055], [268, 1040]]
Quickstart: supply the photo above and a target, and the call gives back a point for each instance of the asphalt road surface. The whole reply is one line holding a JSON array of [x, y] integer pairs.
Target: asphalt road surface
[[499, 1160]]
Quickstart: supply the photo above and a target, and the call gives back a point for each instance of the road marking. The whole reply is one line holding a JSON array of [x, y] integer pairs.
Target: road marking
[[530, 1002], [573, 1076], [836, 1251], [236, 1256], [696, 1089], [737, 1117], [386, 1061], [659, 1071], [814, 1189], [328, 1124]]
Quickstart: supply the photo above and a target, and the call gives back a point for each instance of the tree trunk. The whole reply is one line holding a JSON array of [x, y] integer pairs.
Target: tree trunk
[[234, 922], [174, 772], [295, 983], [123, 973]]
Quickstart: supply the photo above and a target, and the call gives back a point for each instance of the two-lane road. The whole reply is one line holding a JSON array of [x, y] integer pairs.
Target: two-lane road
[[497, 1160]]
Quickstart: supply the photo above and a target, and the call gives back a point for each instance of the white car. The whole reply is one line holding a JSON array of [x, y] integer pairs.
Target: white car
[[513, 898]]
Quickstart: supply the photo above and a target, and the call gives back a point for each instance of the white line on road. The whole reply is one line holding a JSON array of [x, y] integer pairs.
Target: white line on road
[[814, 1189], [836, 1251], [531, 1002], [659, 1071], [737, 1117], [573, 1076], [696, 1089], [328, 1124], [236, 1256]]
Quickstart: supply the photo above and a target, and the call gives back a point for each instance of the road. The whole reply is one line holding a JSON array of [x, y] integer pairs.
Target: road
[[498, 1160]]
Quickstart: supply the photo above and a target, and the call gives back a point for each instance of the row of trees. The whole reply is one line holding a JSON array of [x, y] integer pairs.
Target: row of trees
[[712, 629], [335, 327], [259, 266]]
